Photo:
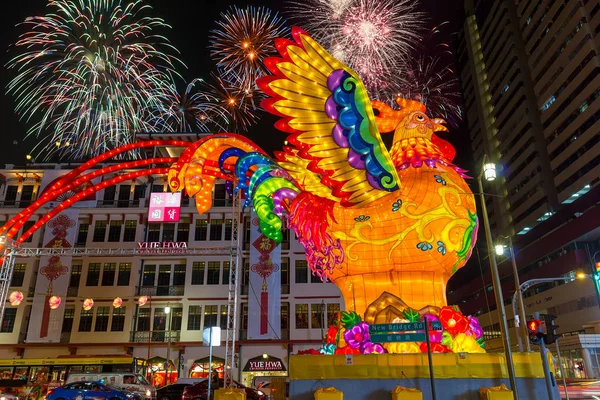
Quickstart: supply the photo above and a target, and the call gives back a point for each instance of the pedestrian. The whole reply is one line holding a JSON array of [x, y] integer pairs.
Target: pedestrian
[[214, 379]]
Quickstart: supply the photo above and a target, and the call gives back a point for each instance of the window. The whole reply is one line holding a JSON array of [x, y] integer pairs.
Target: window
[[26, 226], [216, 229], [244, 316], [164, 280], [201, 229], [67, 325], [245, 272], [75, 276], [301, 271], [179, 275], [194, 318], [108, 274], [176, 314], [99, 231], [124, 274], [149, 275], [153, 232], [143, 321], [316, 315], [198, 273], [285, 315], [124, 193], [8, 322], [102, 314], [228, 229], [85, 320], [183, 230], [210, 316], [333, 313], [223, 319], [285, 271], [130, 230], [301, 316], [314, 278], [109, 194], [18, 275], [114, 231], [212, 277], [225, 280], [11, 195], [118, 320], [82, 234], [220, 195], [93, 275], [168, 234], [26, 195], [139, 192], [158, 188]]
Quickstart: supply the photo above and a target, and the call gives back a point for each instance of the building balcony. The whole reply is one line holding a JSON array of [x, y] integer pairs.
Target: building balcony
[[285, 334], [15, 203], [155, 336], [160, 290], [118, 203]]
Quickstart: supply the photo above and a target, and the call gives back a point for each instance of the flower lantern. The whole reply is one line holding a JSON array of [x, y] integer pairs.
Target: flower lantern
[[15, 298], [117, 302], [453, 321], [142, 300], [54, 302], [88, 304]]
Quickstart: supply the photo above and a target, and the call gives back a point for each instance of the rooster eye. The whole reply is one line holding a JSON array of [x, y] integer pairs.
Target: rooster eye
[[420, 118]]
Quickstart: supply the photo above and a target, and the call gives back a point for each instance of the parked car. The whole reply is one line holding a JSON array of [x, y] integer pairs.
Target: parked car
[[89, 391], [199, 391], [171, 392], [190, 381], [265, 387], [130, 382]]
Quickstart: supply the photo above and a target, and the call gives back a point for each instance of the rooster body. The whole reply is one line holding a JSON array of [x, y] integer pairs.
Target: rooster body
[[371, 221]]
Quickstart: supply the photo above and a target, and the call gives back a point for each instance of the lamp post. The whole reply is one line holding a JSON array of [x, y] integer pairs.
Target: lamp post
[[168, 312], [489, 171], [519, 318]]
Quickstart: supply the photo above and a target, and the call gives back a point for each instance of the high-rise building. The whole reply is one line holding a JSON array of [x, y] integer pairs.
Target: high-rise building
[[529, 71], [529, 74]]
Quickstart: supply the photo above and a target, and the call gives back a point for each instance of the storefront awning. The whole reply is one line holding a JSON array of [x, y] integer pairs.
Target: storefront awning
[[265, 364]]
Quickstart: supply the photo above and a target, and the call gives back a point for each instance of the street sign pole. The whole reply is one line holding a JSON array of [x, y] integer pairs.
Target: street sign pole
[[431, 378]]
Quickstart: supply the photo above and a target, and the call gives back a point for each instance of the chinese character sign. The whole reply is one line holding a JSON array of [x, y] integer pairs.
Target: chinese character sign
[[164, 207]]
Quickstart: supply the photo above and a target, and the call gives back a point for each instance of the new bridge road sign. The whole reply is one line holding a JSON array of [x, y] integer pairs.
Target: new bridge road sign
[[403, 327], [398, 337]]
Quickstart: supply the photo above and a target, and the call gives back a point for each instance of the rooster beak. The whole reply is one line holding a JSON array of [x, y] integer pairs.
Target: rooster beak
[[438, 125]]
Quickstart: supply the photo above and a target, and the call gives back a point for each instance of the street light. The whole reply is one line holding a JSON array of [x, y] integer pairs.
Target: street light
[[168, 312], [522, 334], [499, 249], [489, 171]]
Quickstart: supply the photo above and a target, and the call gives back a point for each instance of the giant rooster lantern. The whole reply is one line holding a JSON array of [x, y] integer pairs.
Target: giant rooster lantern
[[389, 228]]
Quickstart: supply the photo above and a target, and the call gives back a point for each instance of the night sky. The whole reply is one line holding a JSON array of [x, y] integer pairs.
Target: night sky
[[191, 23]]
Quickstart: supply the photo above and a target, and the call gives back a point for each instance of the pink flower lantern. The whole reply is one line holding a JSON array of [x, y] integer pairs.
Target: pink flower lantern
[[88, 304], [142, 300], [15, 298], [117, 302], [54, 302]]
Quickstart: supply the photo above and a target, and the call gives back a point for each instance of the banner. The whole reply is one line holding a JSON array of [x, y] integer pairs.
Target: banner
[[52, 175], [264, 293], [52, 280]]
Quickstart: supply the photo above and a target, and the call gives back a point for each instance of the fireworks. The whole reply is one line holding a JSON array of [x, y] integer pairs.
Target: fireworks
[[374, 37], [197, 109], [427, 80], [244, 38], [90, 74], [240, 104]]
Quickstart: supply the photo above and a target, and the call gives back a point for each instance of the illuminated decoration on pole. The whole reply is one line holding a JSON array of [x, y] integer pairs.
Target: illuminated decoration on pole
[[88, 304], [142, 301], [15, 298], [117, 302], [378, 224], [54, 302]]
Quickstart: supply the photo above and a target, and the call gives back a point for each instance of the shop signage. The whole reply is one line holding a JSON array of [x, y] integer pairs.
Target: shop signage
[[162, 247], [260, 364]]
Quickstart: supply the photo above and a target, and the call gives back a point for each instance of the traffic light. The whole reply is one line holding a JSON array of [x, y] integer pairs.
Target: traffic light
[[551, 334], [533, 326]]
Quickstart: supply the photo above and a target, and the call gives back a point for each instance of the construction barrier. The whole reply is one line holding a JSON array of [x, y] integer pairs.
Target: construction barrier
[[496, 393], [328, 394], [230, 394], [403, 393]]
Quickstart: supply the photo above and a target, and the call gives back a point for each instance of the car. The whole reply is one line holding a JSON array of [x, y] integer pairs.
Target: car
[[171, 392], [265, 387], [89, 391], [199, 391]]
